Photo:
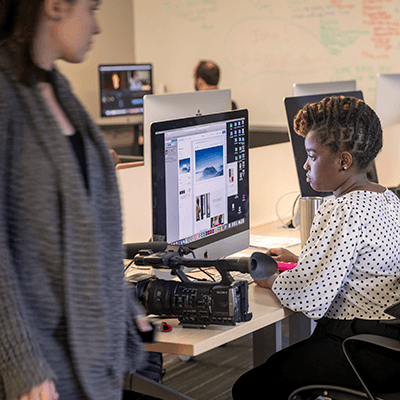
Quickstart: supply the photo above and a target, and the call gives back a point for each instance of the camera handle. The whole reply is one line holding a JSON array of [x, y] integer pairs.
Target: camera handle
[[171, 258], [223, 266], [259, 265]]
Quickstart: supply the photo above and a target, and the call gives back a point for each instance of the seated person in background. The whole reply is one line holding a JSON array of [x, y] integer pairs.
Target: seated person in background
[[349, 270], [206, 77]]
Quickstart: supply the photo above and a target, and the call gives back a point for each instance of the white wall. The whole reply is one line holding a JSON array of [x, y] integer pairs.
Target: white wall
[[273, 179]]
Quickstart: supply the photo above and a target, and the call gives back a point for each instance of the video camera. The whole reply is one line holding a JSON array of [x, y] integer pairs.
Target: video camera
[[195, 303]]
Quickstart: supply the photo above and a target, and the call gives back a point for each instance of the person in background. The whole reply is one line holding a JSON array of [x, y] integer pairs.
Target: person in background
[[206, 77], [67, 321], [348, 272]]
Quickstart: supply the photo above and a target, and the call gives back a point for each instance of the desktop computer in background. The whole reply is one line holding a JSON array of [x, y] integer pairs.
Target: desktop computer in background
[[180, 105], [307, 89], [121, 91], [200, 183], [387, 107], [122, 88], [387, 101], [293, 105]]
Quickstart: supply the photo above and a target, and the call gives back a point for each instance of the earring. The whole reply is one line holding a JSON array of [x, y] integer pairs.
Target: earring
[[56, 18], [344, 168]]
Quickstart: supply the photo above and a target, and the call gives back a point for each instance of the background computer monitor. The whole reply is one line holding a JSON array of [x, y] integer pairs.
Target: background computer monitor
[[200, 183], [293, 105], [180, 105], [387, 101], [305, 89], [122, 88]]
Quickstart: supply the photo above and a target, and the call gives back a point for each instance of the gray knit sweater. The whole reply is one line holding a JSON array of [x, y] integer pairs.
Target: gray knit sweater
[[64, 311]]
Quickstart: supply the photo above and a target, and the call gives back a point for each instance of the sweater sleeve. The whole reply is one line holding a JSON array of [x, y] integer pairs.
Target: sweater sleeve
[[135, 353], [324, 263], [21, 364]]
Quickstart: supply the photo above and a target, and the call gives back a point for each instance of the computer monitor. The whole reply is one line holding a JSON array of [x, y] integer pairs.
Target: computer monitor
[[387, 101], [180, 105], [293, 105], [200, 183], [305, 89], [122, 88]]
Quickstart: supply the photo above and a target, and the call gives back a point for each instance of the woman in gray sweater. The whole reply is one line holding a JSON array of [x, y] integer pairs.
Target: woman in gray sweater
[[67, 323]]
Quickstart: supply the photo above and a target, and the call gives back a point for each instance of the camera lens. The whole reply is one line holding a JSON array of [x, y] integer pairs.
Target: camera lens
[[159, 297]]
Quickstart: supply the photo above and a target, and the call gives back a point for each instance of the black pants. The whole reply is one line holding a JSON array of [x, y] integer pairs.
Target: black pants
[[320, 360]]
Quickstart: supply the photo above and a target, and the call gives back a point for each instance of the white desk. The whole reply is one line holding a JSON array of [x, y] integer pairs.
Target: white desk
[[266, 311], [265, 325]]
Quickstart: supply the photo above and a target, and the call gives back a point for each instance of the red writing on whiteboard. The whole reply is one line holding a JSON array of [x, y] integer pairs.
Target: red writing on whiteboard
[[377, 16], [339, 4]]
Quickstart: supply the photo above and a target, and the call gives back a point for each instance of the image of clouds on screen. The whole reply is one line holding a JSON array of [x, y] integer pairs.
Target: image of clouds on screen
[[209, 163], [184, 166]]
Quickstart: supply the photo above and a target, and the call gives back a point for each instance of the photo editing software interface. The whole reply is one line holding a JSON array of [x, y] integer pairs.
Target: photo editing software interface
[[204, 178], [122, 88]]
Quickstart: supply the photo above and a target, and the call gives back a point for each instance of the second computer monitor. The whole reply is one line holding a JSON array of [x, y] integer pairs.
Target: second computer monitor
[[293, 105], [307, 89], [387, 101], [122, 88], [180, 105], [200, 183]]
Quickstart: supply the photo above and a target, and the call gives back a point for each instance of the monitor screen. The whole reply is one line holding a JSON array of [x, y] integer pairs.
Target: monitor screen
[[293, 105], [122, 88], [200, 183], [163, 107], [305, 89], [387, 101]]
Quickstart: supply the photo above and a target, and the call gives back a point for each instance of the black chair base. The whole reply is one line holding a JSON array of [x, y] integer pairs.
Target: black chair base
[[335, 393]]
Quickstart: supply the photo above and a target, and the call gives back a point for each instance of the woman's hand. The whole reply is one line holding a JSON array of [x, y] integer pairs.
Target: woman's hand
[[45, 391], [284, 255], [114, 156], [143, 324]]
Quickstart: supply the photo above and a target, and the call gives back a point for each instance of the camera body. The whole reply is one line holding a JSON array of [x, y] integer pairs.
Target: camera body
[[194, 303]]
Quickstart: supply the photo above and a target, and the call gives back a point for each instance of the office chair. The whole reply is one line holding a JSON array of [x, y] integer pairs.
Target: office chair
[[327, 392]]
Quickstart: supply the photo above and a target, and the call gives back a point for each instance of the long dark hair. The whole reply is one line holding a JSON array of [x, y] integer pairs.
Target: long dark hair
[[18, 23]]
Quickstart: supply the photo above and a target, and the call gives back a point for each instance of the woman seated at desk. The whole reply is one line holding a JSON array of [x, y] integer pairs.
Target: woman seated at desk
[[348, 271]]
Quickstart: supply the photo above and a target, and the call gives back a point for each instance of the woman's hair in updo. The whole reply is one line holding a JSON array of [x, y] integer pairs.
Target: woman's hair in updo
[[343, 123]]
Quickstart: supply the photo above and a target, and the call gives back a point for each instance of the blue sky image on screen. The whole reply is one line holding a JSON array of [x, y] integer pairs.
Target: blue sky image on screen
[[184, 166], [209, 163]]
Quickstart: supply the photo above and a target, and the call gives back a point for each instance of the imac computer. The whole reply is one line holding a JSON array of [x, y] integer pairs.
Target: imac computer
[[387, 101], [200, 183], [293, 105], [180, 105], [122, 88], [306, 89]]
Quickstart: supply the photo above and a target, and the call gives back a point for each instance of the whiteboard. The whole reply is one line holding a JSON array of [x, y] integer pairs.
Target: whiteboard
[[264, 47]]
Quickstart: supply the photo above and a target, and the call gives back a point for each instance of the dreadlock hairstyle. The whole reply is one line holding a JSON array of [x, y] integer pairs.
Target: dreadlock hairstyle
[[343, 123]]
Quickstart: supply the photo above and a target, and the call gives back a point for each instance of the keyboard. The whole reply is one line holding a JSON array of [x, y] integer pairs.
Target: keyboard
[[270, 242]]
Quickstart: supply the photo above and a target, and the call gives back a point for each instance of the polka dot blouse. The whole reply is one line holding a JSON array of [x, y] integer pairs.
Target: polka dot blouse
[[350, 266]]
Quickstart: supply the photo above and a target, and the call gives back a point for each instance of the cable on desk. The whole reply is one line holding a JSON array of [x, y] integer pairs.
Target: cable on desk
[[285, 225], [126, 268]]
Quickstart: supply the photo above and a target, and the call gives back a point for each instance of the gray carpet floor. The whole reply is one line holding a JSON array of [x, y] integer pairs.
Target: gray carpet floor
[[210, 376]]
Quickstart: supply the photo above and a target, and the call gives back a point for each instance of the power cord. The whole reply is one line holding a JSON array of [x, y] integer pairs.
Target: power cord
[[290, 224]]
